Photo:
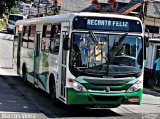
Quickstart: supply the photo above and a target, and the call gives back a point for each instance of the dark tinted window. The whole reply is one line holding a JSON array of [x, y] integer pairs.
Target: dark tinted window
[[152, 29], [15, 18], [55, 39], [45, 41]]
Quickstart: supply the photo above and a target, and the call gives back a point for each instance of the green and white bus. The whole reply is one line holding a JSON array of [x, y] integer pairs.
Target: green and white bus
[[90, 59]]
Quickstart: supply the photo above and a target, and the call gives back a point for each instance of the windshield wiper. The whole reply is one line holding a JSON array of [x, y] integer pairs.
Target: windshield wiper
[[120, 41], [96, 43], [94, 38]]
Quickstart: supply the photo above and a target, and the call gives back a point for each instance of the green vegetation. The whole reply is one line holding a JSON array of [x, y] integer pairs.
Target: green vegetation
[[3, 22], [14, 10], [6, 8], [6, 5]]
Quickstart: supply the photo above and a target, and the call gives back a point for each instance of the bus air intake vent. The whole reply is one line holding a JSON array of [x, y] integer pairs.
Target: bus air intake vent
[[107, 82]]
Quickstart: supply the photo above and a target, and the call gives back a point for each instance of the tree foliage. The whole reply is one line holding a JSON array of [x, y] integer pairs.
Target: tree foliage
[[14, 10], [3, 22], [6, 5]]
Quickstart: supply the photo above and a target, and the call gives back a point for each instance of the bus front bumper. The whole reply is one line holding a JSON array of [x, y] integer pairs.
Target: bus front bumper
[[86, 98]]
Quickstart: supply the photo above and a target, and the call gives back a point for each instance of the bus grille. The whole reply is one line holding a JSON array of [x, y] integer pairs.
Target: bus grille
[[107, 82]]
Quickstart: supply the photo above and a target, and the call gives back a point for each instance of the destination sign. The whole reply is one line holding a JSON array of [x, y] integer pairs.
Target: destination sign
[[107, 24], [112, 25]]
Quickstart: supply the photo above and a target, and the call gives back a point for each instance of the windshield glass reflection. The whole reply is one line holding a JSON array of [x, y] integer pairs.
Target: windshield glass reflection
[[105, 54]]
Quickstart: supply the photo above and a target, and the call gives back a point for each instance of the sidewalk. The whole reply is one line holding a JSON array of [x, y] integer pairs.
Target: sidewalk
[[6, 36], [6, 51], [8, 72], [151, 86]]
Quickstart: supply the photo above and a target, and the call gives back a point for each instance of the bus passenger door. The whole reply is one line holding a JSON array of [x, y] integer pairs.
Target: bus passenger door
[[65, 33], [37, 58]]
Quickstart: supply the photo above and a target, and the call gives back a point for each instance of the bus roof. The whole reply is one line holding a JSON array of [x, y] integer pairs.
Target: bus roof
[[68, 17], [16, 14]]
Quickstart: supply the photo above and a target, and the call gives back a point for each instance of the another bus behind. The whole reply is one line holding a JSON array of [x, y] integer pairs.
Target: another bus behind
[[11, 22]]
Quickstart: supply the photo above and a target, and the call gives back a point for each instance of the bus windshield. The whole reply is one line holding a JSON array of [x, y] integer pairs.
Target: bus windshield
[[105, 54], [13, 18]]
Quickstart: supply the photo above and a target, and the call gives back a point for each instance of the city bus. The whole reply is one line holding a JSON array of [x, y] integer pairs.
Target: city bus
[[88, 59], [11, 22]]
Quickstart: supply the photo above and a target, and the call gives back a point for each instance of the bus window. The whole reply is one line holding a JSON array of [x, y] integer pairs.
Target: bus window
[[45, 37], [44, 31], [32, 30], [25, 32], [28, 36], [25, 36], [55, 39], [31, 36]]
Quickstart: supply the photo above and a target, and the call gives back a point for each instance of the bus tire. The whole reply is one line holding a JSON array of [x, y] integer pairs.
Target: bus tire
[[24, 74], [52, 90], [9, 32]]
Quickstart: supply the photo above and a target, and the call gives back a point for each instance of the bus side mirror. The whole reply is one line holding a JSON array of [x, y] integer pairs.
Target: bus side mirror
[[146, 40], [146, 44], [66, 43]]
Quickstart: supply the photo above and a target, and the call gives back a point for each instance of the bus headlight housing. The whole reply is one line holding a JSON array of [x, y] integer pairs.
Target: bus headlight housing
[[76, 85], [135, 87]]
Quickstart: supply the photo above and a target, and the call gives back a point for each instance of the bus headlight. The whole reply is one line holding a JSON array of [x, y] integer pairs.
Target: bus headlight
[[76, 86], [135, 87]]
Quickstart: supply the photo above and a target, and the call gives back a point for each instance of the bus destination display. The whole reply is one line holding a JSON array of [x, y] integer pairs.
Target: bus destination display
[[109, 24]]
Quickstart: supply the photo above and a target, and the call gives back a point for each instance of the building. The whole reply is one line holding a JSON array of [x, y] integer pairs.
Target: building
[[152, 18], [151, 14], [36, 8]]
